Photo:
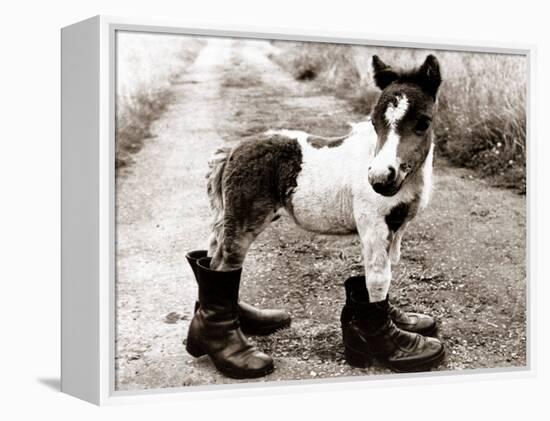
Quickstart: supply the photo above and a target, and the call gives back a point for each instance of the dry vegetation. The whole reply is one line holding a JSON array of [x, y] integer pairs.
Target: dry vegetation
[[147, 64], [481, 122]]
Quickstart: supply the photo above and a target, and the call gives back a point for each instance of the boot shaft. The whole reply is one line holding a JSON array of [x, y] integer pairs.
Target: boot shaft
[[358, 308], [217, 288], [356, 286], [218, 312], [193, 258]]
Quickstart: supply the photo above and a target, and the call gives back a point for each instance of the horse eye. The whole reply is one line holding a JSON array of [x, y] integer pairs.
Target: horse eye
[[422, 124]]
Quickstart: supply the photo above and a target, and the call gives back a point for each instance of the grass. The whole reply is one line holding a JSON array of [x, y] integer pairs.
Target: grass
[[147, 66], [481, 123]]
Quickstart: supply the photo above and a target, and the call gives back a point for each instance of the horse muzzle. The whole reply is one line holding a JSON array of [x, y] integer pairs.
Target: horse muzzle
[[386, 183]]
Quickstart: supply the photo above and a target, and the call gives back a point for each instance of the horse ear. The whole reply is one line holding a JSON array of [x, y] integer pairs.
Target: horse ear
[[430, 75], [383, 74]]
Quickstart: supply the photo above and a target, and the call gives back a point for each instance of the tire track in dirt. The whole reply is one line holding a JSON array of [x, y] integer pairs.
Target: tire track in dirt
[[162, 213]]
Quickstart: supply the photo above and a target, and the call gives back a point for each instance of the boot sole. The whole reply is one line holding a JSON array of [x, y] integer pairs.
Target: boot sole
[[424, 365], [362, 360], [196, 351], [265, 330]]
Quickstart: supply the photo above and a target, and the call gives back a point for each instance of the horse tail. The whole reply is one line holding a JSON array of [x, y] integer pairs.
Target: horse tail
[[214, 177]]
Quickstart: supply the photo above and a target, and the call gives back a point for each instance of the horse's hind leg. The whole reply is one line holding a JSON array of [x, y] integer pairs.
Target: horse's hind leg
[[212, 244], [238, 233], [216, 326]]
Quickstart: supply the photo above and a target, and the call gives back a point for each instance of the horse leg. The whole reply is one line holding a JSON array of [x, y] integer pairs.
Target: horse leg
[[212, 243], [376, 239], [371, 333], [231, 251], [232, 245], [215, 329], [238, 233], [395, 246]]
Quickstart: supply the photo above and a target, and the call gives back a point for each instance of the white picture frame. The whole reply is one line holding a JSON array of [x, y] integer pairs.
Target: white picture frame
[[88, 204]]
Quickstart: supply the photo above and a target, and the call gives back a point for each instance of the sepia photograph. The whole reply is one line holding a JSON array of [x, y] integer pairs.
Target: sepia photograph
[[291, 210]]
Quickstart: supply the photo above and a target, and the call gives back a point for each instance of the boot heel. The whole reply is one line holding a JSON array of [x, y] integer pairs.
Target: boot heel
[[193, 349], [357, 359]]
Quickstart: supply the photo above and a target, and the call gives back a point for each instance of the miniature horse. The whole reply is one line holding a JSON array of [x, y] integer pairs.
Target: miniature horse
[[371, 182]]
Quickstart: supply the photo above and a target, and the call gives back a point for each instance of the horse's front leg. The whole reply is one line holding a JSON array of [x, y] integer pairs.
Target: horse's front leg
[[374, 328], [376, 239], [395, 246]]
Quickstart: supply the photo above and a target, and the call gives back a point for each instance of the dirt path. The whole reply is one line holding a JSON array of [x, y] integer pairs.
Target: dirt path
[[463, 259]]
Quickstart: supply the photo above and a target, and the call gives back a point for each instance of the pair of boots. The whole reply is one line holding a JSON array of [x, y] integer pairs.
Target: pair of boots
[[370, 330], [220, 321], [384, 332]]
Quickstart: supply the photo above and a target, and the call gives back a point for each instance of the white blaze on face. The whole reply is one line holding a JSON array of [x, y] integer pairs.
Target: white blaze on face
[[394, 114], [387, 156]]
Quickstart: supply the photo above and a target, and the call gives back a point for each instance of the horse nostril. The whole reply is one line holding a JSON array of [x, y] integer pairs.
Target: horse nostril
[[378, 187], [391, 174]]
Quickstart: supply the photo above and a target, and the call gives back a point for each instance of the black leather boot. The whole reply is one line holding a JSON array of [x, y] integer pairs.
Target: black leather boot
[[215, 329], [369, 333], [411, 322], [253, 320]]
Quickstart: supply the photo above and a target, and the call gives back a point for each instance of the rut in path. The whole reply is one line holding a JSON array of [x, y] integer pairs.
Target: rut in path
[[463, 259]]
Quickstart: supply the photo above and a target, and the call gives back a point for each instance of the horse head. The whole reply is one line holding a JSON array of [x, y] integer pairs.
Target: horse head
[[402, 119]]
